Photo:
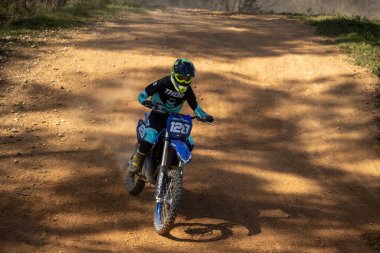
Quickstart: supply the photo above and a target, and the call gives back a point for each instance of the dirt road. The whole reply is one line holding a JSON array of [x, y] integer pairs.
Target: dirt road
[[291, 164]]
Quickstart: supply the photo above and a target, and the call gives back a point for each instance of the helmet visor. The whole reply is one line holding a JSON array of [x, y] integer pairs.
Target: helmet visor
[[183, 79]]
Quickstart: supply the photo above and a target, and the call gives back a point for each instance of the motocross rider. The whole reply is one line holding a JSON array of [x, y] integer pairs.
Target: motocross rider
[[171, 91]]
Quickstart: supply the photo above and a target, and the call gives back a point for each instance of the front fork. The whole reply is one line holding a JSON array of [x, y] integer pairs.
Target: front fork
[[163, 169]]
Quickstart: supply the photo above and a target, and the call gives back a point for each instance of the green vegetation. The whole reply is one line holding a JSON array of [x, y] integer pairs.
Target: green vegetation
[[79, 12], [356, 36]]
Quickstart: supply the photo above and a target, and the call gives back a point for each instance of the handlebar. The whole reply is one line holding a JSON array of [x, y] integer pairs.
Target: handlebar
[[158, 107]]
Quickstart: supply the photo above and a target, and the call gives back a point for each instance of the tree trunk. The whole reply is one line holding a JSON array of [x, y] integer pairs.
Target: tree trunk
[[226, 6]]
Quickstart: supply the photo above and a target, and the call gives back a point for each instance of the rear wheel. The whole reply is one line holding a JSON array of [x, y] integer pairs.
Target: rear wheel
[[132, 180], [134, 184], [166, 211]]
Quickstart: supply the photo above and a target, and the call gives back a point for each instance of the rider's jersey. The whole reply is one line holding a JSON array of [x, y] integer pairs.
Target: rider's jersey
[[163, 91]]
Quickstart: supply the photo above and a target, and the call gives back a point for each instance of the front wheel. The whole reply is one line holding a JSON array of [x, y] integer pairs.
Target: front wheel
[[166, 211]]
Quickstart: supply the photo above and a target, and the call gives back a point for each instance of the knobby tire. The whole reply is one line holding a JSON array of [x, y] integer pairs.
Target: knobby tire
[[164, 222]]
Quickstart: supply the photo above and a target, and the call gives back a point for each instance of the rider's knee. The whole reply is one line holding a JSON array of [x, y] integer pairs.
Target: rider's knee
[[150, 135]]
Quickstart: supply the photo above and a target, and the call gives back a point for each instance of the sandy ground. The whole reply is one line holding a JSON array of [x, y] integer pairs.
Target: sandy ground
[[291, 164]]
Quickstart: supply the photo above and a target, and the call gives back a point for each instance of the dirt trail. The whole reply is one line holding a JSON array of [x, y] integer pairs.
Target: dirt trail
[[290, 166]]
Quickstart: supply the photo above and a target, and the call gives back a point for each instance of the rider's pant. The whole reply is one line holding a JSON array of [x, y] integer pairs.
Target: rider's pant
[[156, 122]]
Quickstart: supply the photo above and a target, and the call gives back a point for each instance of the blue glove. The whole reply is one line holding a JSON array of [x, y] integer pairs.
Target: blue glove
[[142, 97]]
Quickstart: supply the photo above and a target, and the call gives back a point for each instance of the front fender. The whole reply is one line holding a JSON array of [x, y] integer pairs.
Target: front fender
[[182, 151]]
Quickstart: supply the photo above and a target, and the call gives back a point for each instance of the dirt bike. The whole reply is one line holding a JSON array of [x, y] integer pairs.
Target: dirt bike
[[164, 164]]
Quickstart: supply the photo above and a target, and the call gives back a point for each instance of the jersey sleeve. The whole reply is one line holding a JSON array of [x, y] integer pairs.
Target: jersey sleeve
[[154, 87], [192, 99]]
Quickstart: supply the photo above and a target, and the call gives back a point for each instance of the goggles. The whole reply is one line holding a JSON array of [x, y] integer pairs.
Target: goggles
[[183, 79]]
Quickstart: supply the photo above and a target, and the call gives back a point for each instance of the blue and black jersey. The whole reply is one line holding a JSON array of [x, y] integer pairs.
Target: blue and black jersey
[[163, 91]]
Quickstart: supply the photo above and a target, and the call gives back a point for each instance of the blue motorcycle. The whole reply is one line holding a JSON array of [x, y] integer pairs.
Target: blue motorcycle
[[164, 165]]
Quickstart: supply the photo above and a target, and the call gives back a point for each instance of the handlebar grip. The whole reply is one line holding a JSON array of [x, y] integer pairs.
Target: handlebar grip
[[154, 106], [148, 103], [160, 108], [207, 119]]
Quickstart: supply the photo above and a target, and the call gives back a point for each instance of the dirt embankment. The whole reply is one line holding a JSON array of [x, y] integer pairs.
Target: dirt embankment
[[290, 166]]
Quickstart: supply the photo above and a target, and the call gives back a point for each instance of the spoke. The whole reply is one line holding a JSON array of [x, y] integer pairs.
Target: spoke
[[163, 211], [167, 203], [165, 214]]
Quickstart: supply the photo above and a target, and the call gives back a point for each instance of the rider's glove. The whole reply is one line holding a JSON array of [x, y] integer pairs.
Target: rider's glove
[[142, 97], [148, 103], [209, 118], [203, 115]]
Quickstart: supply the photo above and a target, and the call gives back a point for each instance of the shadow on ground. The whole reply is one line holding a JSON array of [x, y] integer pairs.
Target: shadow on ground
[[264, 166]]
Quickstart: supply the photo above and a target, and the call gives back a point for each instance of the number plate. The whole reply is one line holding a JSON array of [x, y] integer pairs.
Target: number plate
[[179, 127]]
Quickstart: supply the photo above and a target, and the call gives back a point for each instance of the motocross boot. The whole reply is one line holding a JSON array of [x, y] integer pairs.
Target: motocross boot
[[136, 162]]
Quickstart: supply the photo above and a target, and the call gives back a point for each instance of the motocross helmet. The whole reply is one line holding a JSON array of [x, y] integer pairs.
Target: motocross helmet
[[183, 73]]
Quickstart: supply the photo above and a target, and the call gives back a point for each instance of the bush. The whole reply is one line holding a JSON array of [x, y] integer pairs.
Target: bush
[[130, 3], [91, 4], [16, 9], [357, 36], [34, 14], [10, 11]]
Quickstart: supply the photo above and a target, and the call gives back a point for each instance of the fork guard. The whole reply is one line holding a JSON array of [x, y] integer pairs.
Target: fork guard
[[182, 150]]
